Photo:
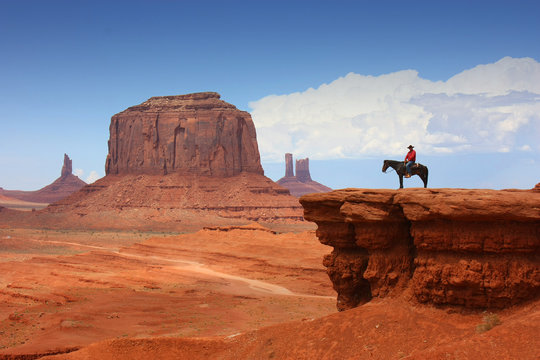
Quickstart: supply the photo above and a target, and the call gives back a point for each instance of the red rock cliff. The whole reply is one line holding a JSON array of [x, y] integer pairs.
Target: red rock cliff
[[188, 134], [475, 248]]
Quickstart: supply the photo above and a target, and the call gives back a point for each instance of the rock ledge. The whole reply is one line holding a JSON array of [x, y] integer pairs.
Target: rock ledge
[[474, 248]]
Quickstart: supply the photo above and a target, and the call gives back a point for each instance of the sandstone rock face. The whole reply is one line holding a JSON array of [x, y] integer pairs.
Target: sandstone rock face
[[474, 248], [62, 187], [302, 183], [195, 134], [302, 170], [67, 168], [289, 172]]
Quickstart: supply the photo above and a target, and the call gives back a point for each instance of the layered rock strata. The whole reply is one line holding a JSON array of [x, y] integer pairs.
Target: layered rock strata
[[474, 248], [172, 202], [301, 183], [196, 134]]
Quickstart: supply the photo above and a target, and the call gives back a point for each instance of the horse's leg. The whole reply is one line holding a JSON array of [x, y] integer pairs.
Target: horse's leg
[[400, 181], [423, 177]]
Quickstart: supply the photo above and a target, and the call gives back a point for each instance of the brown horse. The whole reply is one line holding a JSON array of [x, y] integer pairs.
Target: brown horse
[[399, 166]]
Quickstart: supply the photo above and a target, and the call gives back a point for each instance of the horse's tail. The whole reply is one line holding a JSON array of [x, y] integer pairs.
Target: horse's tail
[[427, 174]]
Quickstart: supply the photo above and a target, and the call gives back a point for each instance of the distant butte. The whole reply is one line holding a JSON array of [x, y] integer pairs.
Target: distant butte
[[196, 134], [178, 162], [62, 187], [302, 183]]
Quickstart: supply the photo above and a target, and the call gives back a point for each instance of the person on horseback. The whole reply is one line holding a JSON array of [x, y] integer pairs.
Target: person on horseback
[[410, 159]]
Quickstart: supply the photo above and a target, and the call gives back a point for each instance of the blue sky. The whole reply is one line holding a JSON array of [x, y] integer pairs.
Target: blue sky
[[68, 66]]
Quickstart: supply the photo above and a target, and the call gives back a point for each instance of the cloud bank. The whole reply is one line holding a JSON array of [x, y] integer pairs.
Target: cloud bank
[[487, 109]]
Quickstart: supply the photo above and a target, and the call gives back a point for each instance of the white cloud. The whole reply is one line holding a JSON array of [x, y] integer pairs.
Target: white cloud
[[92, 177], [490, 108], [78, 172]]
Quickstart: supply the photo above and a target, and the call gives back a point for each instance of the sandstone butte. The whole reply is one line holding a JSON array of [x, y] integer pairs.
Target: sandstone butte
[[60, 188], [301, 183], [196, 134], [471, 248], [177, 163]]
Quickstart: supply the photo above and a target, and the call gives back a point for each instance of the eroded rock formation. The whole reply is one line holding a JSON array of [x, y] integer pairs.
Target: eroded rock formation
[[475, 248], [302, 183], [178, 162], [289, 172], [302, 170], [186, 134], [67, 168], [62, 187]]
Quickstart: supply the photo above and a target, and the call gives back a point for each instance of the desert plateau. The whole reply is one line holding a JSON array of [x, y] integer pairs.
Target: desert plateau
[[186, 250]]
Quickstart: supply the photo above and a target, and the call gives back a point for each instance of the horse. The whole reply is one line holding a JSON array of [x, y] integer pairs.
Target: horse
[[399, 166]]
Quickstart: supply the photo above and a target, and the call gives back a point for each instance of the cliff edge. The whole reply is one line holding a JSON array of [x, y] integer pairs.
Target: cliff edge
[[473, 248]]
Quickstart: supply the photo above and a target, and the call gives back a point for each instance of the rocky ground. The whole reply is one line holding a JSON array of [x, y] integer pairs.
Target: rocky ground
[[62, 289], [227, 293], [381, 329]]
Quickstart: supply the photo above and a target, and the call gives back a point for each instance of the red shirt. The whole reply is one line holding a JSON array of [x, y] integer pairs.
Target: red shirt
[[411, 156]]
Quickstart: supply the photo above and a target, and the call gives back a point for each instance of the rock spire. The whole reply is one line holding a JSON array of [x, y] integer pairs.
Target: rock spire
[[67, 167], [302, 170], [301, 183]]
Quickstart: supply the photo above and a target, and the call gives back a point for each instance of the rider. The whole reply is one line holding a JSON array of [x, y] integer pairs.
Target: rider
[[409, 160]]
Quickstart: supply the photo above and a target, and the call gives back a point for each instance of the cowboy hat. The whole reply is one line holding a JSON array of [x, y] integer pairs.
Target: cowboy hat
[[410, 147]]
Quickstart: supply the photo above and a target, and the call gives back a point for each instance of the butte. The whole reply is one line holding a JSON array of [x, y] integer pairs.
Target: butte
[[177, 163], [301, 183]]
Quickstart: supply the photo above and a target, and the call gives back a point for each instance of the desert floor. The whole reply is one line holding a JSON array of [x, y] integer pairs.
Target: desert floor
[[242, 292], [62, 289]]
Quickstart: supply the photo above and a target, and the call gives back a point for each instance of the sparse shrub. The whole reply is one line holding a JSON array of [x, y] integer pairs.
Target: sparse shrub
[[490, 321]]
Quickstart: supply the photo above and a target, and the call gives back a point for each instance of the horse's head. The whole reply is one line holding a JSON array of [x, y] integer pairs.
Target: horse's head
[[385, 165]]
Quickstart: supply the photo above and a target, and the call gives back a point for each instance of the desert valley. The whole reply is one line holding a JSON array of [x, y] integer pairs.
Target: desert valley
[[186, 250]]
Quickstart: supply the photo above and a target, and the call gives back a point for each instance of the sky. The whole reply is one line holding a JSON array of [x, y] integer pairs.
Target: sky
[[345, 83]]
